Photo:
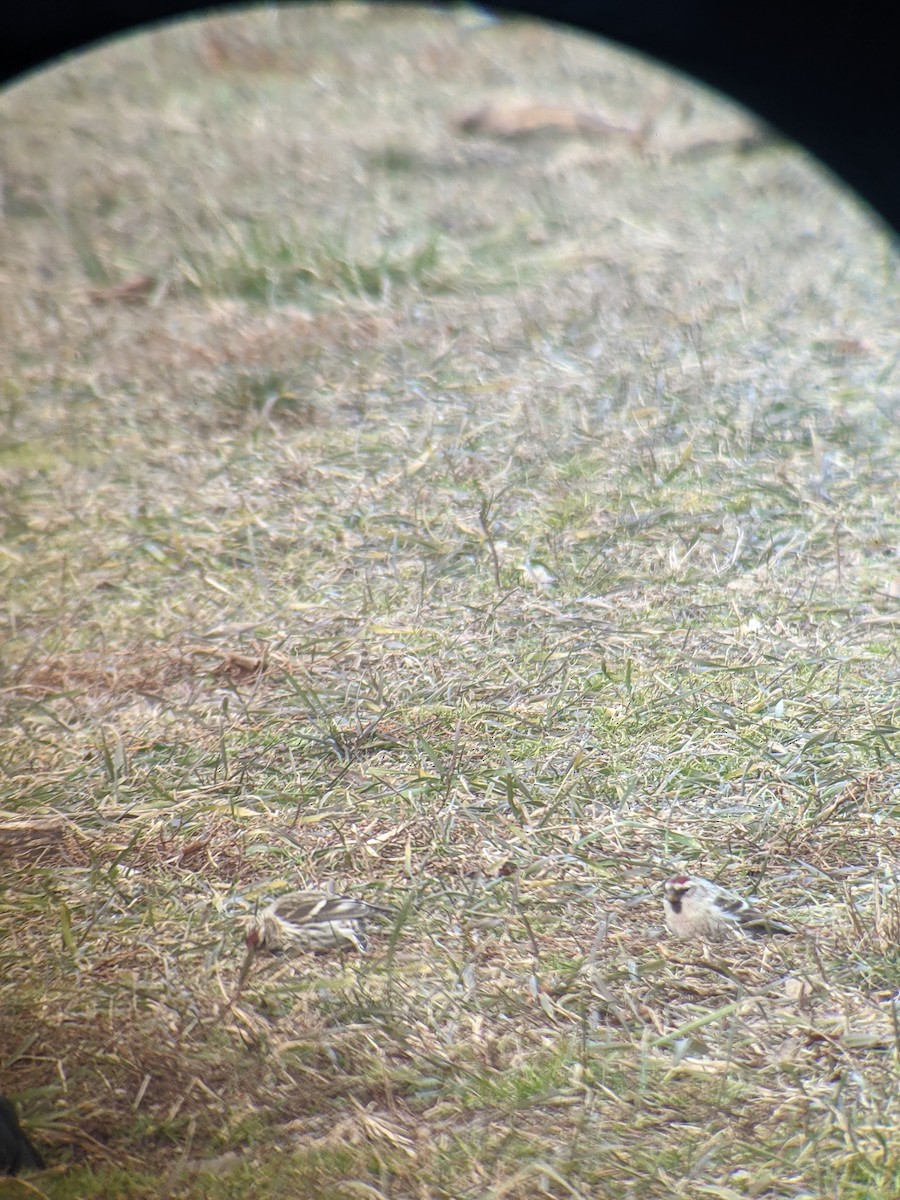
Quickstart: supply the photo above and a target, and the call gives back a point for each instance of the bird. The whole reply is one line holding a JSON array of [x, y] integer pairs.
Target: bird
[[16, 1151], [311, 920], [696, 908]]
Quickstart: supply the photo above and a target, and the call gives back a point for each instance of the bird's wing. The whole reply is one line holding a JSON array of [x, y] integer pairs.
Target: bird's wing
[[757, 922], [735, 906], [748, 917], [304, 908]]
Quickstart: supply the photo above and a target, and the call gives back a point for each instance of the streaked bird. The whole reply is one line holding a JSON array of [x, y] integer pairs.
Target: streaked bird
[[312, 920], [696, 908], [16, 1151]]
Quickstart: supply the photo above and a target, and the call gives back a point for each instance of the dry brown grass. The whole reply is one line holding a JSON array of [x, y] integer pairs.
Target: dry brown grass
[[484, 521]]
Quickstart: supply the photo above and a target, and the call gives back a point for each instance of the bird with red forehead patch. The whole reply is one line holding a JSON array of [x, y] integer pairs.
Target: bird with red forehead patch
[[698, 909]]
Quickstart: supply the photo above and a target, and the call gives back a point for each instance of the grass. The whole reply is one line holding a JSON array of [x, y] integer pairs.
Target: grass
[[487, 527]]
